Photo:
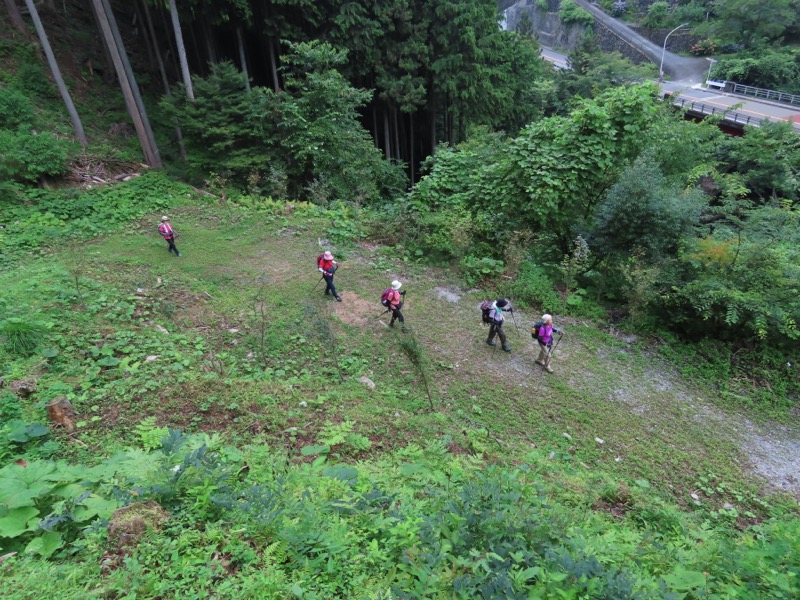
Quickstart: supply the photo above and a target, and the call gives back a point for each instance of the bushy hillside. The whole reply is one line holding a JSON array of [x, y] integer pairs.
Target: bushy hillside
[[280, 444]]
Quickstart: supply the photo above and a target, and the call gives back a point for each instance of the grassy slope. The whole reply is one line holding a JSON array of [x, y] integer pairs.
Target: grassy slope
[[498, 404]]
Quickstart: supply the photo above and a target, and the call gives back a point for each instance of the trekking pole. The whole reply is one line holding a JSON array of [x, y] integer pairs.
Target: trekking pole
[[515, 322], [336, 268], [383, 313], [558, 341]]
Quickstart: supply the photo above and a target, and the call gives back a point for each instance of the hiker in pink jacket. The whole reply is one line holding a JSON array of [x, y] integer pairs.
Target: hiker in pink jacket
[[166, 230]]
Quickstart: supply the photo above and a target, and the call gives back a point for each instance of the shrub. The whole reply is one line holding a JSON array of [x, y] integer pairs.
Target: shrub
[[704, 47], [22, 337], [657, 15], [570, 12], [534, 287], [27, 156], [15, 108]]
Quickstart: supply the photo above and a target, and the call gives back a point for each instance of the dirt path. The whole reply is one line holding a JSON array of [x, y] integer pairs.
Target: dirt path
[[622, 373]]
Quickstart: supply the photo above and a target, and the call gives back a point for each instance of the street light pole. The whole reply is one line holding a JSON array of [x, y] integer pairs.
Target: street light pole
[[711, 63], [664, 49]]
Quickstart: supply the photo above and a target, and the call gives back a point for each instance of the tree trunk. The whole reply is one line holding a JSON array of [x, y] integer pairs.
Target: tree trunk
[[16, 16], [211, 46], [411, 165], [242, 56], [396, 134], [150, 153], [375, 123], [126, 64], [62, 87], [176, 25], [273, 65], [163, 71], [148, 43], [387, 145]]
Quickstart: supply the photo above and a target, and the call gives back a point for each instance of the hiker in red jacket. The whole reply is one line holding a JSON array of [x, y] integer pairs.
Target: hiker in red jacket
[[166, 230], [327, 266], [392, 299]]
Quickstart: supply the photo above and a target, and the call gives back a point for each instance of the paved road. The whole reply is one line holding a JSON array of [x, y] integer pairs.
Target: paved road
[[558, 59], [748, 111], [683, 69]]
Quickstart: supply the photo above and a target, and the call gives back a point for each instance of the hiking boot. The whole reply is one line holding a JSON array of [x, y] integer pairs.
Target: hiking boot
[[491, 343], [540, 362], [391, 324], [506, 349], [548, 368], [338, 298], [179, 254]]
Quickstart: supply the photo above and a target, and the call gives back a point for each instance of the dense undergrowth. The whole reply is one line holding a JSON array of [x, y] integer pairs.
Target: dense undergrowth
[[292, 478]]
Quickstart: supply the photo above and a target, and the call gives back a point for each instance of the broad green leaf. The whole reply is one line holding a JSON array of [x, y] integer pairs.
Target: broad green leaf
[[19, 485], [18, 521], [316, 449], [45, 544], [94, 506], [684, 581]]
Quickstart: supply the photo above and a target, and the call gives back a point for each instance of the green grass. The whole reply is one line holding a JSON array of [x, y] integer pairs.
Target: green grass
[[273, 378]]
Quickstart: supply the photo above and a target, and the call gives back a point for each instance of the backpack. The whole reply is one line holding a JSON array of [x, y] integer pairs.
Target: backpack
[[385, 297], [535, 330], [486, 307], [319, 260]]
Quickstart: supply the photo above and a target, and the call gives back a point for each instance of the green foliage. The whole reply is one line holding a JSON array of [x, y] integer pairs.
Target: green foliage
[[53, 215], [22, 336], [766, 160], [27, 155], [308, 134], [657, 15], [16, 109], [534, 287], [753, 22], [42, 504], [570, 12], [561, 166], [150, 436], [219, 127], [765, 68], [476, 270], [643, 213], [341, 437]]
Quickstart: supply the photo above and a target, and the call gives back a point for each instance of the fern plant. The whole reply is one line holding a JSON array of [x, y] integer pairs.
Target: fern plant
[[150, 436]]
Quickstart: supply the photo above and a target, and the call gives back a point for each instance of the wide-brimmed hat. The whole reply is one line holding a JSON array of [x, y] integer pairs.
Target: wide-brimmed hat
[[396, 285], [502, 302], [165, 218], [547, 319], [327, 255]]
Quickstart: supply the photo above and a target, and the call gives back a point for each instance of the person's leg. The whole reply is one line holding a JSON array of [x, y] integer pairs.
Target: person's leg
[[331, 287], [542, 354], [172, 246], [492, 331], [502, 335]]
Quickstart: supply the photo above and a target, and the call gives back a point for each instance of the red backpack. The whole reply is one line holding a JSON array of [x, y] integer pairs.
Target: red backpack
[[385, 296]]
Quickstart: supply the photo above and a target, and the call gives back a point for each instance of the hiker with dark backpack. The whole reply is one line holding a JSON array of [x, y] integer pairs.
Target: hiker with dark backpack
[[327, 266], [542, 332], [392, 299], [493, 315]]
